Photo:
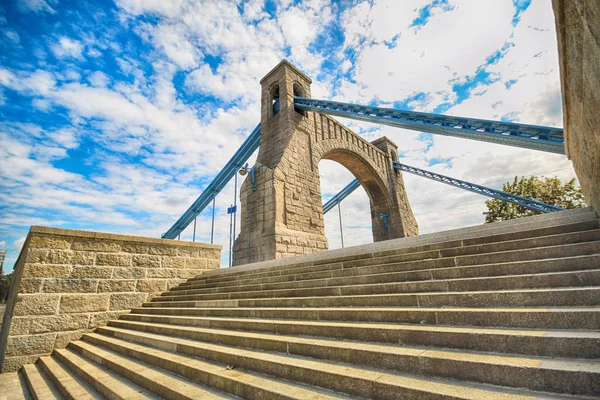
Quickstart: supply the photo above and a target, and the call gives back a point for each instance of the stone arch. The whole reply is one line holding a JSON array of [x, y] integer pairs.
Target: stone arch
[[283, 215], [372, 177]]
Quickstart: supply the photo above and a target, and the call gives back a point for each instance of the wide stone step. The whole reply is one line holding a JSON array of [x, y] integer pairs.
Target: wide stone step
[[520, 317], [104, 381], [225, 377], [437, 268], [241, 332], [394, 248], [334, 297], [152, 378], [320, 362], [70, 387], [39, 384], [403, 283], [576, 244]]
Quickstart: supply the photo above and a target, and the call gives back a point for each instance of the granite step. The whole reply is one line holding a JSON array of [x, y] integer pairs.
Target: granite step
[[545, 343], [584, 318], [191, 373], [398, 283], [39, 384], [337, 371], [520, 250]]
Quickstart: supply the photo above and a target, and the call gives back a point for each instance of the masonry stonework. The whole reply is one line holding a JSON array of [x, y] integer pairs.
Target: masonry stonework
[[281, 210], [68, 282], [578, 32]]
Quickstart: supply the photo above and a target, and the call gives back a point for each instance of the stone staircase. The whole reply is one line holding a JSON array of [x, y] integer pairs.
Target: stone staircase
[[507, 310]]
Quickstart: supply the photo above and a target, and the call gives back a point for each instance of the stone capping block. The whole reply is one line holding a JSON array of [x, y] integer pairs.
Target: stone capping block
[[68, 282]]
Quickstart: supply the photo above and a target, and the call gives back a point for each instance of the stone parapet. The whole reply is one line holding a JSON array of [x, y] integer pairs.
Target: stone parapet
[[68, 282]]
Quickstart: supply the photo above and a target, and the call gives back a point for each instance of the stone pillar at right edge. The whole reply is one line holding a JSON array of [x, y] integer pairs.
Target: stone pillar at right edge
[[401, 221], [578, 34]]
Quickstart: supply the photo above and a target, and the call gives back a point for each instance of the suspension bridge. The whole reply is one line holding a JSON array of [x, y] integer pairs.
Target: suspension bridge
[[532, 137]]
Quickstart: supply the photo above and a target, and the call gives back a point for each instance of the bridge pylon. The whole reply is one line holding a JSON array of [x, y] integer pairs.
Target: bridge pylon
[[281, 205]]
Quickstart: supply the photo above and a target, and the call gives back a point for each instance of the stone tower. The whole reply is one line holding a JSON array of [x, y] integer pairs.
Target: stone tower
[[281, 205]]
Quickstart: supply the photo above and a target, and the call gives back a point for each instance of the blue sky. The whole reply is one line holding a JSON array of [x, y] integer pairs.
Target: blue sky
[[115, 115]]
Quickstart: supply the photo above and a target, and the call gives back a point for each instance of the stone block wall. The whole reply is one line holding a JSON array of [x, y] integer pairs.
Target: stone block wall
[[68, 282], [578, 31]]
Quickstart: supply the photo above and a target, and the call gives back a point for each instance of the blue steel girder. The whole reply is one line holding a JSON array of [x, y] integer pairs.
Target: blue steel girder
[[223, 177], [345, 192], [534, 137], [483, 190], [486, 191]]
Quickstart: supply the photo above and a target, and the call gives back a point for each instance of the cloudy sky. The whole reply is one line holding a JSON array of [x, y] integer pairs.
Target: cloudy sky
[[115, 115]]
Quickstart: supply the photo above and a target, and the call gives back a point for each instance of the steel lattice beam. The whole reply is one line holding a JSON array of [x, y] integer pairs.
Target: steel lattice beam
[[231, 168], [508, 133], [345, 192], [483, 190], [486, 191]]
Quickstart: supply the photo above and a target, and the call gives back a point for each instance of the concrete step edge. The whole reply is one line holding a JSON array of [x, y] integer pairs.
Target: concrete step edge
[[164, 384], [243, 382], [392, 268], [405, 257], [570, 216], [491, 338], [418, 297], [63, 379], [39, 385], [482, 278], [103, 380], [575, 382]]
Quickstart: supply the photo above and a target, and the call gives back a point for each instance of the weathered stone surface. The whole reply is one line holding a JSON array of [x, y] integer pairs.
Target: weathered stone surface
[[91, 272], [188, 273], [162, 273], [30, 344], [36, 256], [96, 245], [146, 261], [50, 242], [70, 282], [63, 338], [129, 273], [46, 271], [135, 248], [102, 318], [45, 324], [30, 285], [151, 285], [114, 260], [579, 59], [195, 263], [126, 301], [173, 262], [188, 251], [83, 303], [36, 304], [69, 285], [12, 364], [163, 250], [116, 285]]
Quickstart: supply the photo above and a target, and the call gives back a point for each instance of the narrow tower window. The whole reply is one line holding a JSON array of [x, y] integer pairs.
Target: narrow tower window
[[275, 103], [299, 92]]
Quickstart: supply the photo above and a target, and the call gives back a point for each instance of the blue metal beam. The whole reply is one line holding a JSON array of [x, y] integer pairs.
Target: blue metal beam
[[231, 168], [345, 192], [508, 133], [486, 191]]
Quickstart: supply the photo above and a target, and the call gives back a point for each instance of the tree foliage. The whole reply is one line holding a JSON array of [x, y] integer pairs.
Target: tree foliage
[[547, 190], [4, 286]]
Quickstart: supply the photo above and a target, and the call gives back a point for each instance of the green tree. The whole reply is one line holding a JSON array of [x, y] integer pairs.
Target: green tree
[[547, 190]]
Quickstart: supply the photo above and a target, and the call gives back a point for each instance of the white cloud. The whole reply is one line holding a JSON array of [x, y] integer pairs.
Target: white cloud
[[99, 79], [37, 6], [67, 48]]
